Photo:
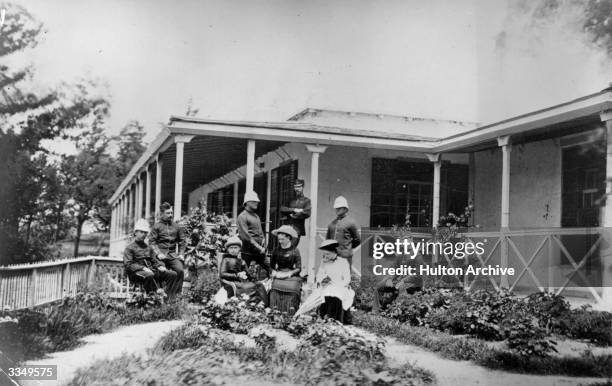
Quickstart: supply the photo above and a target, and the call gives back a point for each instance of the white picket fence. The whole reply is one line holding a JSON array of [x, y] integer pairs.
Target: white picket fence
[[29, 285]]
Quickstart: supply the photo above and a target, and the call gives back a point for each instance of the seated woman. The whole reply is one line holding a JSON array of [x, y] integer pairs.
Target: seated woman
[[286, 264], [334, 277], [233, 270]]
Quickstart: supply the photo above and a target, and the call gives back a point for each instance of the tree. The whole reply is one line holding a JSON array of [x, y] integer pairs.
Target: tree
[[91, 177], [27, 117], [131, 146]]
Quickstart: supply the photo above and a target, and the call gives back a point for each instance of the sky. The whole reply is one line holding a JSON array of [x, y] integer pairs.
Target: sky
[[472, 60]]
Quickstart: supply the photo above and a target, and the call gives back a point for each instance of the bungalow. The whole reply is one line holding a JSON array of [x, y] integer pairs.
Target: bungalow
[[537, 181]]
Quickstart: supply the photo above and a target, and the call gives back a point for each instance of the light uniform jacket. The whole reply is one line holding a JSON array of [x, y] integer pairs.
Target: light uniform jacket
[[339, 272]]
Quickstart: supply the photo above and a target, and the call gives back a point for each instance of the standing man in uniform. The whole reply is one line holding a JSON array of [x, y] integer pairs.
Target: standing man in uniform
[[298, 210], [168, 241], [250, 232], [344, 230]]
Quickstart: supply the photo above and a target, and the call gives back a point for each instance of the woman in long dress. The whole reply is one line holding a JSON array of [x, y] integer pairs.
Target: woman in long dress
[[333, 278], [286, 264]]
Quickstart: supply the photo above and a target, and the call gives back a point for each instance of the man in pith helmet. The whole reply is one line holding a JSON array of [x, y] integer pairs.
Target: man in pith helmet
[[251, 233], [344, 230], [143, 266]]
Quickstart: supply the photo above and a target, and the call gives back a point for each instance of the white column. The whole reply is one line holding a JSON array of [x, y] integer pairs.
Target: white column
[[268, 195], [133, 197], [235, 202], [606, 250], [120, 224], [112, 223], [180, 141], [138, 199], [140, 204], [123, 213], [178, 181], [506, 146], [250, 166], [315, 150], [158, 184], [437, 164], [147, 212]]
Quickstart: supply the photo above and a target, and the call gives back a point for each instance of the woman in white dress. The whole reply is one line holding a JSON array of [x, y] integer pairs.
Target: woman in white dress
[[334, 277]]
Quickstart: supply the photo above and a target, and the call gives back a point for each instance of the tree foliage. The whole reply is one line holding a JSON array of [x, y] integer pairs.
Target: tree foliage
[[31, 186]]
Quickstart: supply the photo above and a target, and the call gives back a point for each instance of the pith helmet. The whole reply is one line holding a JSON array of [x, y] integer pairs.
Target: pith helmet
[[250, 196], [234, 240], [340, 202], [142, 225], [329, 245], [286, 229]]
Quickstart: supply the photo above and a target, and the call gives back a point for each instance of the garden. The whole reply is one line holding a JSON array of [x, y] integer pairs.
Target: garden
[[242, 342]]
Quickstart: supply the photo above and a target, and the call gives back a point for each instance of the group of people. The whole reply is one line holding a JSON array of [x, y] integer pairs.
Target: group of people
[[160, 262], [282, 289], [158, 265]]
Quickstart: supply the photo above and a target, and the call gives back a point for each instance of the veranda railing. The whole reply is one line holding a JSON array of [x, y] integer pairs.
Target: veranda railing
[[29, 285], [542, 257]]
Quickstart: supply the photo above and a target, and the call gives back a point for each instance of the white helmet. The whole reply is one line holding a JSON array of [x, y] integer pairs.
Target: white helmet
[[250, 196], [340, 202], [142, 225]]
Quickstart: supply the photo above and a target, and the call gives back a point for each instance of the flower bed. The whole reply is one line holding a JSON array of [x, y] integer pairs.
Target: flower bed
[[193, 354], [527, 324], [30, 333], [477, 350]]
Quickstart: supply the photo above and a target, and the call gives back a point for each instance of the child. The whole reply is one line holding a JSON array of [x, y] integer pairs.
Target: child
[[233, 270]]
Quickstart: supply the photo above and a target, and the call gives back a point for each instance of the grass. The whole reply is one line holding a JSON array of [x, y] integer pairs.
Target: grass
[[462, 348], [32, 333], [194, 355]]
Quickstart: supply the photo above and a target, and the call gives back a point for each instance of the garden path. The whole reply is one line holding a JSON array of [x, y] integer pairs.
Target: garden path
[[135, 339], [453, 372]]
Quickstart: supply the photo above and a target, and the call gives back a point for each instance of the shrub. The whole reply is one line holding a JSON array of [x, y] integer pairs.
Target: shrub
[[463, 348], [186, 336], [205, 287], [31, 333], [584, 323], [216, 359]]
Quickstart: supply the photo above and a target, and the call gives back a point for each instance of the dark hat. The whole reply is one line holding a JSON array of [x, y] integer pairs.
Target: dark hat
[[298, 182], [329, 245]]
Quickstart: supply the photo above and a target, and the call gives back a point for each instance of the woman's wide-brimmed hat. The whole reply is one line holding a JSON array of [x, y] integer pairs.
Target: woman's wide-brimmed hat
[[329, 245], [286, 229]]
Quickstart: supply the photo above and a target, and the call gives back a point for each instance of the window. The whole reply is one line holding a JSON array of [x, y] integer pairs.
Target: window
[[403, 189]]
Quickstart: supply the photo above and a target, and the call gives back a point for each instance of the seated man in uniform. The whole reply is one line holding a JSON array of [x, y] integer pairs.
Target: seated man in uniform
[[141, 264]]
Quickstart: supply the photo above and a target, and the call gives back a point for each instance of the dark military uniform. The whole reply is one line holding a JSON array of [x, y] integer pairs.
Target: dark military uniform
[[138, 256], [165, 238], [298, 219], [344, 230], [251, 234]]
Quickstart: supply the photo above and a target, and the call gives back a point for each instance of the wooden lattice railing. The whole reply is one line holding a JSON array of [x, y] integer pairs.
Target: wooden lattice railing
[[29, 285]]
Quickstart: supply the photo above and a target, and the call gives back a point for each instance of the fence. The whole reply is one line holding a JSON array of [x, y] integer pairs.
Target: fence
[[29, 285], [560, 260]]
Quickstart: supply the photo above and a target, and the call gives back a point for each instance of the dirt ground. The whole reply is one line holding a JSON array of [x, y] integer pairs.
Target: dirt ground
[[138, 338]]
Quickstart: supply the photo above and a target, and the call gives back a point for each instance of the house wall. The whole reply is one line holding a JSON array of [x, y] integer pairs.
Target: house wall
[[535, 186], [535, 202]]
